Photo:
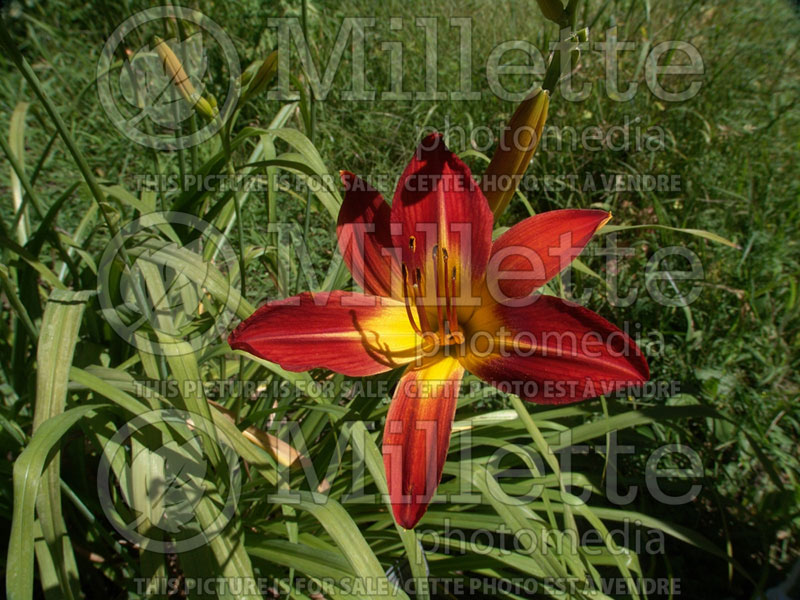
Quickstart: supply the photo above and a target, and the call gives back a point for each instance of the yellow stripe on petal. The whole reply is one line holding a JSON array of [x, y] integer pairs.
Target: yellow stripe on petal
[[353, 334], [389, 334]]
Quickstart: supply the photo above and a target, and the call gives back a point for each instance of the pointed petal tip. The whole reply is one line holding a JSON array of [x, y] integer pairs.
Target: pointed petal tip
[[347, 177], [643, 368], [436, 135], [233, 337], [408, 515], [432, 144], [238, 339]]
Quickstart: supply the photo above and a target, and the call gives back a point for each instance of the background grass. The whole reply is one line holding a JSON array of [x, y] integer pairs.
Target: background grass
[[735, 146]]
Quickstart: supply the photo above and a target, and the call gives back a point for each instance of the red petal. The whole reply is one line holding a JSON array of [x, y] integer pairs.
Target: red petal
[[438, 202], [349, 333], [417, 436], [552, 351], [539, 248], [365, 239]]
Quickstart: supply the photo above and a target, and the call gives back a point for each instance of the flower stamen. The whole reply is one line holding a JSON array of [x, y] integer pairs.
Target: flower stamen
[[406, 297], [439, 312], [419, 301], [452, 324], [415, 292], [455, 334]]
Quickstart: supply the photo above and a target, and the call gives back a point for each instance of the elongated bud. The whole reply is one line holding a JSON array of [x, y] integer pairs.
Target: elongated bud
[[176, 72], [245, 78], [265, 74], [514, 153], [553, 10]]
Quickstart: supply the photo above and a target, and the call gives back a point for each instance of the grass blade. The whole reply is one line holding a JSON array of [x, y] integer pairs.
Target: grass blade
[[28, 470], [59, 335]]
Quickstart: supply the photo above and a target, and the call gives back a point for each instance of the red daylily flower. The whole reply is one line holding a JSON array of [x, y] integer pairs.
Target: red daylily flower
[[441, 298]]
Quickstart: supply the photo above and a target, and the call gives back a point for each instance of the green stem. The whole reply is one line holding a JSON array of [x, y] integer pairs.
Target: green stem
[[224, 134], [30, 194], [553, 73], [8, 287], [310, 125], [193, 148]]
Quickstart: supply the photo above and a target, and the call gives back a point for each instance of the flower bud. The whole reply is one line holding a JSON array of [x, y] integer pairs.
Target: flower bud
[[552, 10], [513, 154], [246, 77], [176, 72], [266, 72]]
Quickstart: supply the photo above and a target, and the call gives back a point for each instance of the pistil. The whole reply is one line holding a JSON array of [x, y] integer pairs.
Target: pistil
[[406, 293], [439, 312], [419, 292]]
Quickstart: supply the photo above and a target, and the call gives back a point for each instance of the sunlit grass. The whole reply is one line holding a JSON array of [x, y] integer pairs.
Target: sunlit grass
[[732, 353]]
